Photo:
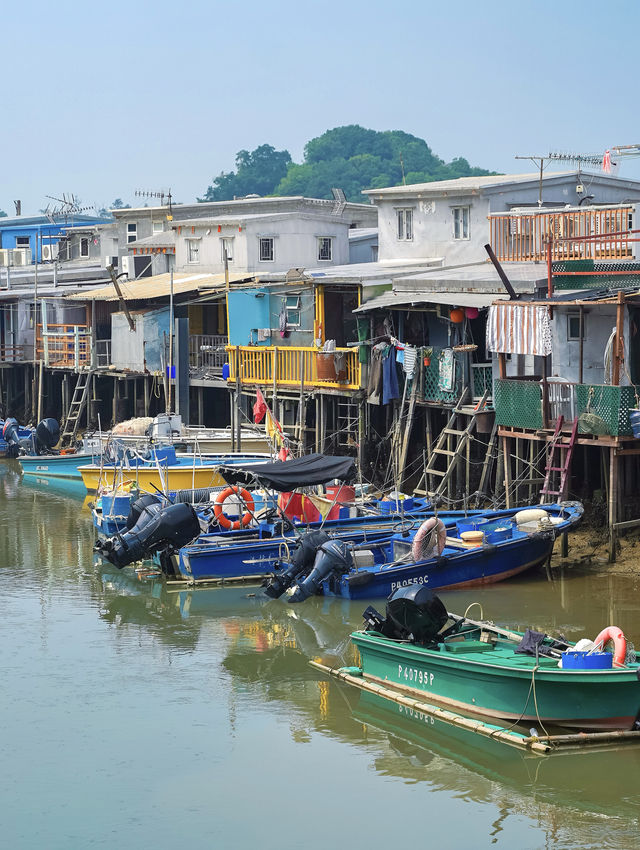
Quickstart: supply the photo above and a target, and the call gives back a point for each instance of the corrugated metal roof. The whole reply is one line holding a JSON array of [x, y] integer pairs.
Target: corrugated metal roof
[[398, 300], [158, 286], [164, 239]]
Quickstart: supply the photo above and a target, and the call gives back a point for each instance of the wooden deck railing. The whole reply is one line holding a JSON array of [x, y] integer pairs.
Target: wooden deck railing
[[522, 237], [11, 353], [338, 369], [64, 345]]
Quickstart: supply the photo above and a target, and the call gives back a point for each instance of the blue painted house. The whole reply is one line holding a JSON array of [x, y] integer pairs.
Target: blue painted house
[[36, 233]]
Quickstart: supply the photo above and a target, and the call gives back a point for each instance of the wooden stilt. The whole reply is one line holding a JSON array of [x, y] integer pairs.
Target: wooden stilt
[[507, 471], [613, 502], [200, 405], [146, 395]]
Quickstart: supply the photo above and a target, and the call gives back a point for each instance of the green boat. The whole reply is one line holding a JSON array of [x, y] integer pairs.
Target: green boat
[[476, 668]]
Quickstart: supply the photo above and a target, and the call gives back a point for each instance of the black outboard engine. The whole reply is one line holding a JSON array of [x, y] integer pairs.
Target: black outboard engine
[[11, 436], [413, 613], [136, 508], [47, 435], [301, 562], [157, 527], [332, 557]]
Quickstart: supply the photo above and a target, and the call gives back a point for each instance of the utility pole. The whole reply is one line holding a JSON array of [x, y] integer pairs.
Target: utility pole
[[171, 329]]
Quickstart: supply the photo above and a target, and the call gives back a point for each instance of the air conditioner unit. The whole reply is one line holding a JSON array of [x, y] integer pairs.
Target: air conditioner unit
[[49, 252], [20, 257], [5, 257]]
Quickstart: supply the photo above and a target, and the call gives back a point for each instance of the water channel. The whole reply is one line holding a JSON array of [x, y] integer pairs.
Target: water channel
[[134, 715]]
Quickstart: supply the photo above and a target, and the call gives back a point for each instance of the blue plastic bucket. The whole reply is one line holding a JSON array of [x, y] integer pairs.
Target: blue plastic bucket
[[575, 660], [471, 525], [634, 418], [502, 532]]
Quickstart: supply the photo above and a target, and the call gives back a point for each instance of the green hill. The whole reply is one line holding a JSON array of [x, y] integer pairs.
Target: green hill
[[351, 158]]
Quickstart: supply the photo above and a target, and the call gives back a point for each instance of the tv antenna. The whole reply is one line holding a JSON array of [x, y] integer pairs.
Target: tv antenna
[[142, 193], [67, 206]]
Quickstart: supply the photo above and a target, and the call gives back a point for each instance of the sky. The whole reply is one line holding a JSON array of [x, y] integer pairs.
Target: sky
[[103, 99]]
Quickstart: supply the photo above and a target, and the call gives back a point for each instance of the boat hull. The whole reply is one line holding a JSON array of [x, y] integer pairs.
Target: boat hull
[[470, 568], [584, 699], [56, 466]]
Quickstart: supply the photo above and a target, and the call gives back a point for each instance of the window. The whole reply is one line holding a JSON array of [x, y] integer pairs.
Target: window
[[460, 222], [84, 247], [405, 224], [325, 248], [157, 227], [226, 244], [132, 231], [573, 326], [23, 241], [266, 249], [193, 250], [292, 305]]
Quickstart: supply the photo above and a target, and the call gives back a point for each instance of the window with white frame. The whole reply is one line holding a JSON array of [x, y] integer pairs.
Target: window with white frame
[[405, 224], [23, 241], [226, 245], [193, 250], [267, 253], [292, 305], [325, 248], [157, 227], [132, 231], [84, 247], [460, 222]]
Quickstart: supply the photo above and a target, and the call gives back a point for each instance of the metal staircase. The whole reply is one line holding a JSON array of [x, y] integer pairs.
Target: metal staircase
[[77, 407]]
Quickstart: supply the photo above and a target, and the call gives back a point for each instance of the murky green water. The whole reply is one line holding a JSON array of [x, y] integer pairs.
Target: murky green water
[[135, 717]]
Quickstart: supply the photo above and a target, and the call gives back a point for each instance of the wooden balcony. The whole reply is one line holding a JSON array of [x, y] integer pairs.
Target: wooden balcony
[[519, 403], [523, 237], [10, 353], [293, 366]]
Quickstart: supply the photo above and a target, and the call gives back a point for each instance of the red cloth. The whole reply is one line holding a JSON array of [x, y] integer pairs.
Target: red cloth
[[259, 408]]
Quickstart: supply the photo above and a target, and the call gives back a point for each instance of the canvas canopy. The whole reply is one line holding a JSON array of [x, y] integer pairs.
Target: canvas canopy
[[286, 475]]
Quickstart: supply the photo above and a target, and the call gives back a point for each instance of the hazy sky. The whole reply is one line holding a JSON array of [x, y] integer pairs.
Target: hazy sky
[[100, 99]]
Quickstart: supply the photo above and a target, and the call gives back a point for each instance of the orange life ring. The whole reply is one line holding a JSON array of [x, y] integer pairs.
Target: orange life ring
[[249, 504], [430, 539], [616, 635]]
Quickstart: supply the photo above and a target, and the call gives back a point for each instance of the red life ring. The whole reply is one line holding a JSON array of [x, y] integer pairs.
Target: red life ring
[[249, 504], [616, 635], [430, 539]]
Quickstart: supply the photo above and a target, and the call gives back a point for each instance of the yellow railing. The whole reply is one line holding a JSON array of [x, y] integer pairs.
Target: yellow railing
[[517, 237], [257, 364]]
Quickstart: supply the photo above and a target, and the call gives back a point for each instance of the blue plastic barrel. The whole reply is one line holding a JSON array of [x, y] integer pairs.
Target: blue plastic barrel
[[634, 418], [576, 660]]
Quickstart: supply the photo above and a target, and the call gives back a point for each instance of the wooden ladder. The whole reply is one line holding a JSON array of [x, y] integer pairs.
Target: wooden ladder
[[562, 464], [76, 408], [451, 457]]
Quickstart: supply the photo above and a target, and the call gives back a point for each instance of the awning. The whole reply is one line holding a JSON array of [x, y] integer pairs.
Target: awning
[[159, 286], [286, 475], [400, 300]]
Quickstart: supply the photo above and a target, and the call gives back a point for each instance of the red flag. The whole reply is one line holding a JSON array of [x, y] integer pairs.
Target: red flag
[[259, 408], [606, 162]]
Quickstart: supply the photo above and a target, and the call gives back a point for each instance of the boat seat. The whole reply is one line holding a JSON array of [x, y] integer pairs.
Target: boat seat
[[468, 646]]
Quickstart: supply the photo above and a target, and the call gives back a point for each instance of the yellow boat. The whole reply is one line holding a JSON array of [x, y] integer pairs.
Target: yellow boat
[[182, 473]]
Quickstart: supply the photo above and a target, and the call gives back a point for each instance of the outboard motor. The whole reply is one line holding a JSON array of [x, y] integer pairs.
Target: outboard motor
[[47, 435], [174, 525], [332, 557], [413, 613], [301, 562], [10, 433], [136, 508]]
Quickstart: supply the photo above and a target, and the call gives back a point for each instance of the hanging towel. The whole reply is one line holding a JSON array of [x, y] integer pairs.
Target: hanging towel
[[519, 328], [446, 376], [409, 360], [374, 386]]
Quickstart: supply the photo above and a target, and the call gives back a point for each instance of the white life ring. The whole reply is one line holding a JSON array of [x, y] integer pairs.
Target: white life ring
[[430, 539]]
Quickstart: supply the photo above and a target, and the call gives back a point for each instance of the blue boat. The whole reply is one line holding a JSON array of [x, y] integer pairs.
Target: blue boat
[[65, 465], [510, 543]]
